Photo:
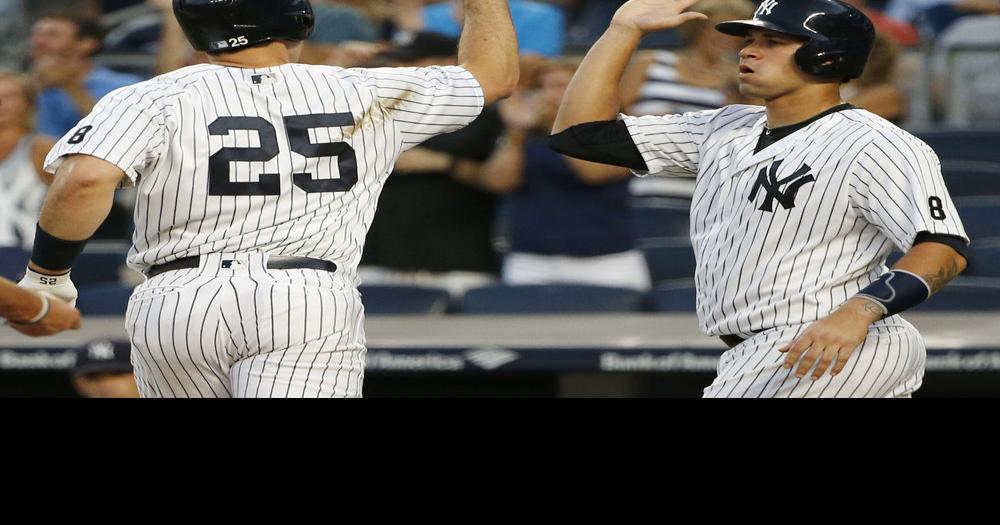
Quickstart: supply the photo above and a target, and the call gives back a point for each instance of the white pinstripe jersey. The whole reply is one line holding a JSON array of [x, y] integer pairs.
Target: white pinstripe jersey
[[784, 236], [286, 160]]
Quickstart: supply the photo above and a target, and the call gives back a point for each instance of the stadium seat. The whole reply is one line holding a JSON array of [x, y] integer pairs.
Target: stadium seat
[[660, 217], [671, 259], [404, 300], [968, 179], [103, 299], [674, 296], [980, 215], [101, 262], [965, 294], [556, 298], [963, 144], [13, 261], [984, 259]]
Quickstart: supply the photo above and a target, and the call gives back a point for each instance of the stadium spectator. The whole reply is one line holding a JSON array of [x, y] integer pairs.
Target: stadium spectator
[[934, 16], [103, 371], [702, 75], [540, 27], [968, 51], [900, 31], [13, 51], [878, 90], [22, 181], [434, 223], [61, 51], [569, 220], [336, 25], [86, 9], [588, 19]]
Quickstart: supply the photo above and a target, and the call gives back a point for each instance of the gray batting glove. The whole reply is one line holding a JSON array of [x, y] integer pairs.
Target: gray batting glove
[[55, 285]]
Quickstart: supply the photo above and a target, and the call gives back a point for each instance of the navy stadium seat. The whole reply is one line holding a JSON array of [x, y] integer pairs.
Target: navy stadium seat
[[984, 259], [103, 299], [671, 259], [965, 179], [980, 215], [654, 217], [554, 298], [963, 144], [674, 296], [100, 262], [404, 300], [13, 261], [965, 294]]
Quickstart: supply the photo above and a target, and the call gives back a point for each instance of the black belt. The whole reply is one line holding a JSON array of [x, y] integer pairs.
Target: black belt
[[733, 340], [273, 263]]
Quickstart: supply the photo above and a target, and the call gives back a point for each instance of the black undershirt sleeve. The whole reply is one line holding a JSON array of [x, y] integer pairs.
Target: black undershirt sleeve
[[605, 142], [955, 242]]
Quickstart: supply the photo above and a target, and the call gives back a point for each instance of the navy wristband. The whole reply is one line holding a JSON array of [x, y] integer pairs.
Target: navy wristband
[[896, 291], [53, 253]]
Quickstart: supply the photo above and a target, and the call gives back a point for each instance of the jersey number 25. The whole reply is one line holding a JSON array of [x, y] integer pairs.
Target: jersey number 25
[[219, 182]]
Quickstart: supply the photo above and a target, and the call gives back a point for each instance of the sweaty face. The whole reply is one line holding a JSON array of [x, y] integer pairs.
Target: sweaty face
[[767, 65], [13, 104]]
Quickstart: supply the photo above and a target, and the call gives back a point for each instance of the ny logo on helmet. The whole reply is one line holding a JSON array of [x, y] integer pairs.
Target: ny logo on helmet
[[766, 7]]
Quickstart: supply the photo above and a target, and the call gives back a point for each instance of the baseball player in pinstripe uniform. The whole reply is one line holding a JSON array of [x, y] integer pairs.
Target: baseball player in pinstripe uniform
[[797, 204], [257, 180]]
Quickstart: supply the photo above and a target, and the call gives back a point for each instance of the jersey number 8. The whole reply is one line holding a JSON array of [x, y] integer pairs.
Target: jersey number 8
[[219, 182]]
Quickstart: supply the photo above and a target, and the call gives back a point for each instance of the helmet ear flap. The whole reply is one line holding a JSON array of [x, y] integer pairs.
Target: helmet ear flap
[[820, 59], [830, 59]]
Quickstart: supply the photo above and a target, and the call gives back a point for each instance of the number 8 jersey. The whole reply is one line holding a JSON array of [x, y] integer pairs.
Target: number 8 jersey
[[287, 160]]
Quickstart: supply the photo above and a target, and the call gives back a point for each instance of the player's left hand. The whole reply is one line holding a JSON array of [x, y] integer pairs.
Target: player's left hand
[[831, 340]]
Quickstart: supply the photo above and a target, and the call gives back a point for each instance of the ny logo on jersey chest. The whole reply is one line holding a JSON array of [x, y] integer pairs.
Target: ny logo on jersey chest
[[767, 179]]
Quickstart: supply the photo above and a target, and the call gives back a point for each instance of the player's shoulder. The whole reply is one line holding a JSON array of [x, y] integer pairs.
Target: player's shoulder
[[163, 87], [180, 79], [737, 116], [882, 134]]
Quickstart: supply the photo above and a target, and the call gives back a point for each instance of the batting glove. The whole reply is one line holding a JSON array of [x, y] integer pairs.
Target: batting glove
[[56, 285]]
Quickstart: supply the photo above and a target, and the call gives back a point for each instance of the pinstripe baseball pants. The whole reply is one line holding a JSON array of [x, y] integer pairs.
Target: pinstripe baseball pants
[[889, 363], [232, 328]]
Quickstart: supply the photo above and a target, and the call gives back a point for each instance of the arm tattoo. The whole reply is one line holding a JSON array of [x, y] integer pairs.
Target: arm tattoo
[[937, 280], [876, 309]]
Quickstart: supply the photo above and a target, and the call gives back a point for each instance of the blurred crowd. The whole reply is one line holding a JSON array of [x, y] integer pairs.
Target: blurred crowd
[[492, 202]]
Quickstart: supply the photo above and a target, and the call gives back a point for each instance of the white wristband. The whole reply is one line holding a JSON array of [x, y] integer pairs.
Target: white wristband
[[46, 306]]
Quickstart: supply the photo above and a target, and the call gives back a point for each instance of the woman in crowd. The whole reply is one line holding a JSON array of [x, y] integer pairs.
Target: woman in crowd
[[569, 220], [22, 180]]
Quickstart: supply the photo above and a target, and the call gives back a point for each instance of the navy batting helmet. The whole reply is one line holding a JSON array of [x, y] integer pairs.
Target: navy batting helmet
[[840, 37], [218, 26]]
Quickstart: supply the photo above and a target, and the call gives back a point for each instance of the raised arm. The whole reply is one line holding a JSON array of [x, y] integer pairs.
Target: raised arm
[[594, 94], [488, 47]]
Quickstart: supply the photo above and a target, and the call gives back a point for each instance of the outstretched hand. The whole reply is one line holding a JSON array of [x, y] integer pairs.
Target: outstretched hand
[[649, 16]]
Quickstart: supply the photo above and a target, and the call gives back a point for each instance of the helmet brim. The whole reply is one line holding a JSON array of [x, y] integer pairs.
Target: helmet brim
[[742, 27]]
